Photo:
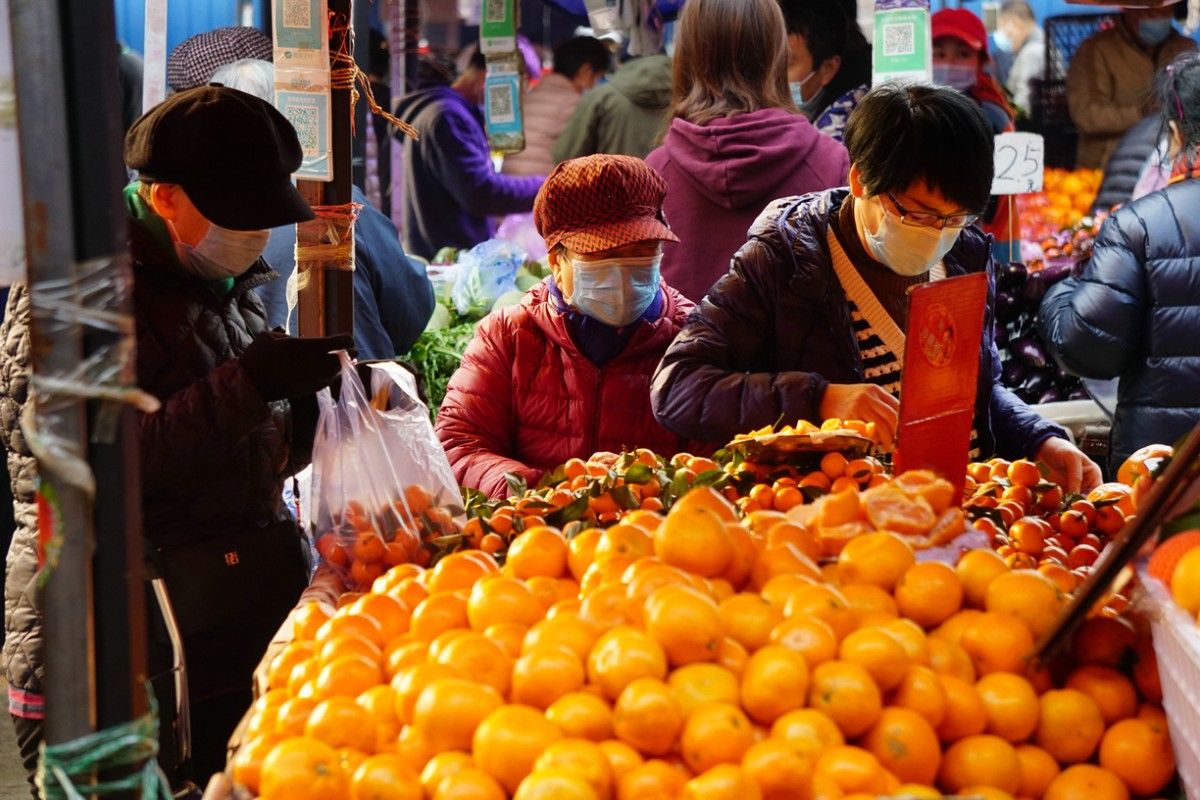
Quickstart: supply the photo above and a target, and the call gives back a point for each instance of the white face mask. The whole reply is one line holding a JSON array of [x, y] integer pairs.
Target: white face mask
[[222, 253], [956, 76], [615, 291], [907, 250]]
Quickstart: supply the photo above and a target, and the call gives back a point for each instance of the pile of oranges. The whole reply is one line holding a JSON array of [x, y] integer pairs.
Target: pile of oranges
[[695, 655], [1067, 196]]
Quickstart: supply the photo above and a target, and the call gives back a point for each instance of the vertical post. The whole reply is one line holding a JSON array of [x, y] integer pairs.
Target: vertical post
[[361, 24], [326, 305]]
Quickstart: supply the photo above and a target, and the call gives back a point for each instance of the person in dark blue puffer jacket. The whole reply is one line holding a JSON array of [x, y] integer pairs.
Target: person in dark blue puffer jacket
[[1134, 311]]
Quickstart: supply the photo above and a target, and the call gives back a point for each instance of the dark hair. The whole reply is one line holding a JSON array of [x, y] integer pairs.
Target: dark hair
[[1179, 100], [1017, 8], [573, 54], [822, 23], [478, 60], [901, 134], [730, 58]]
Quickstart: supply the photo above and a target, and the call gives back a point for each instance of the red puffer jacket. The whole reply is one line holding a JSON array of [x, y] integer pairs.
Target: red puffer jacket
[[525, 399]]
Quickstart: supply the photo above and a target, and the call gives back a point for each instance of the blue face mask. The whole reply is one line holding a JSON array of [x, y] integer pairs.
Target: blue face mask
[[1154, 32], [615, 291], [797, 88], [1002, 42]]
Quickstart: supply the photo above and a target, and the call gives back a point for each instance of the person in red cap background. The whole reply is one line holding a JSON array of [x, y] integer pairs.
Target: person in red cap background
[[960, 61], [567, 372]]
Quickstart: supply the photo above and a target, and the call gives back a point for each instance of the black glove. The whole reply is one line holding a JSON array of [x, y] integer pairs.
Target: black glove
[[285, 366]]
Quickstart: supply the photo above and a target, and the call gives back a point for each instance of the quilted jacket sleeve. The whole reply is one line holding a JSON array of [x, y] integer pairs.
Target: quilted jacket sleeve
[[1090, 323], [705, 388], [476, 421]]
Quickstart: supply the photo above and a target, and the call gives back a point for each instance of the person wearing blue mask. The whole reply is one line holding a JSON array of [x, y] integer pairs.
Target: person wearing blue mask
[[1111, 78], [1019, 39], [566, 373], [826, 76], [809, 322]]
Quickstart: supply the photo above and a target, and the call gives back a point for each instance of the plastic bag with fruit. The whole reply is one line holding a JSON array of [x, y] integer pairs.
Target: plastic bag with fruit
[[382, 492]]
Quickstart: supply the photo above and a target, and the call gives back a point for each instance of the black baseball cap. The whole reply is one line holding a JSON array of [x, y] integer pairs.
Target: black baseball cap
[[232, 153]]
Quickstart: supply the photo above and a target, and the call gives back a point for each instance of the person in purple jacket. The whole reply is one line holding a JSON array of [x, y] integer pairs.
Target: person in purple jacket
[[451, 188], [736, 140]]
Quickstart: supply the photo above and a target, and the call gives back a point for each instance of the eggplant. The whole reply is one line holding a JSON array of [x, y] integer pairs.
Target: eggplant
[[1079, 394], [1010, 277], [1051, 395], [1007, 307], [1056, 271], [1014, 373], [1028, 349], [1037, 383], [1002, 336], [1035, 290]]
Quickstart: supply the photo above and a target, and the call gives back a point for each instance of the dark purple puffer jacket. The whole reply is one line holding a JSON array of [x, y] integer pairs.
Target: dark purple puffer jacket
[[775, 331]]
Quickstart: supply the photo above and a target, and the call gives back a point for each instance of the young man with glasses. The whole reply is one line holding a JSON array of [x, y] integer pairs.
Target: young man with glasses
[[794, 329]]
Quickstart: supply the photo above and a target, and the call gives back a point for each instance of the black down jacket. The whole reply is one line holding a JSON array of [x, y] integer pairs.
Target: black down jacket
[[775, 331], [1125, 165], [1134, 314]]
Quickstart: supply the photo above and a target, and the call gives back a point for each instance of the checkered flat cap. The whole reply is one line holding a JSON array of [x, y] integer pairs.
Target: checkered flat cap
[[601, 202], [195, 60]]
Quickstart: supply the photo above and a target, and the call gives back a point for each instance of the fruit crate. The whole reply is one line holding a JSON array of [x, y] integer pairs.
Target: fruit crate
[[1177, 648]]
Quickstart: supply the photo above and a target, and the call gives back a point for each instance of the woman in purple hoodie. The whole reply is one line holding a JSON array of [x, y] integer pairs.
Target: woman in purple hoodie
[[736, 141]]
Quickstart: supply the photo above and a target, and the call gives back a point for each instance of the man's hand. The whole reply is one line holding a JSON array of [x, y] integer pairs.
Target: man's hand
[[1069, 467], [864, 401]]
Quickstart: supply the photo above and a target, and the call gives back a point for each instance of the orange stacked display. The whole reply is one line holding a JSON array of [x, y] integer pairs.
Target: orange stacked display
[[698, 655]]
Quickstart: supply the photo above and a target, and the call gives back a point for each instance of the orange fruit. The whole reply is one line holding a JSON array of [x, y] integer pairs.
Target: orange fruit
[[302, 769], [468, 784], [1028, 595], [545, 673], [1086, 782], [715, 733], [745, 552], [581, 551], [781, 559], [808, 731], [976, 570], [555, 784], [538, 551], [380, 702], [502, 599], [980, 761], [291, 654], [343, 623], [929, 593], [965, 713], [876, 558], [647, 716], [749, 619], [570, 630], [1185, 582], [906, 745], [922, 692], [582, 758], [808, 636], [1166, 556], [710, 500], [823, 602], [889, 509], [722, 782], [392, 614], [404, 654], [870, 603], [450, 709], [479, 657], [622, 758], [1011, 705], [948, 658], [1113, 693], [788, 532], [773, 683], [852, 770], [732, 656], [437, 614], [246, 766], [695, 539], [685, 622], [385, 777], [408, 684], [623, 655], [779, 771], [1038, 770], [508, 636], [623, 540], [952, 629], [442, 766], [699, 684], [582, 715], [508, 742], [938, 492], [847, 694], [1070, 725], [459, 571], [309, 618], [348, 676], [1139, 753], [606, 607], [879, 653], [1115, 494], [653, 780], [911, 638], [292, 716], [339, 723], [997, 643]]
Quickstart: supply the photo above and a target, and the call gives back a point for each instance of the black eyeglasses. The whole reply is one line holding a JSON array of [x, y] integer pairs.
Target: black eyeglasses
[[925, 219]]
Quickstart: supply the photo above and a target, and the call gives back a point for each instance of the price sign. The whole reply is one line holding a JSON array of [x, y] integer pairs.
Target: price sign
[[1020, 162]]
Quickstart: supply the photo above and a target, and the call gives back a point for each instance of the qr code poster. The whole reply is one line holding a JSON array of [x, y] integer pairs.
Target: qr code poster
[[309, 114], [498, 28], [502, 104], [301, 33], [495, 11], [902, 45]]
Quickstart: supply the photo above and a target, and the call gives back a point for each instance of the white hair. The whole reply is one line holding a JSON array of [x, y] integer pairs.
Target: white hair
[[250, 75]]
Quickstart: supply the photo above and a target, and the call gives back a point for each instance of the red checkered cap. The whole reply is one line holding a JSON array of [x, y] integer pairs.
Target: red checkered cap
[[601, 202]]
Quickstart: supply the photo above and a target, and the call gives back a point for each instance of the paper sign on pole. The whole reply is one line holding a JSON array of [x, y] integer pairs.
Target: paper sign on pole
[[302, 82], [12, 234], [498, 27], [1020, 160], [154, 55], [502, 105], [903, 48]]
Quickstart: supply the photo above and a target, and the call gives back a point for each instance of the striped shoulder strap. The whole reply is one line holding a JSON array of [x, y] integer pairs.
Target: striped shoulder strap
[[864, 299]]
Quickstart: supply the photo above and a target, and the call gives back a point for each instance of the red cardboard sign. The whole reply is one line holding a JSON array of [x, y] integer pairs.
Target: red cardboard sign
[[941, 369]]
